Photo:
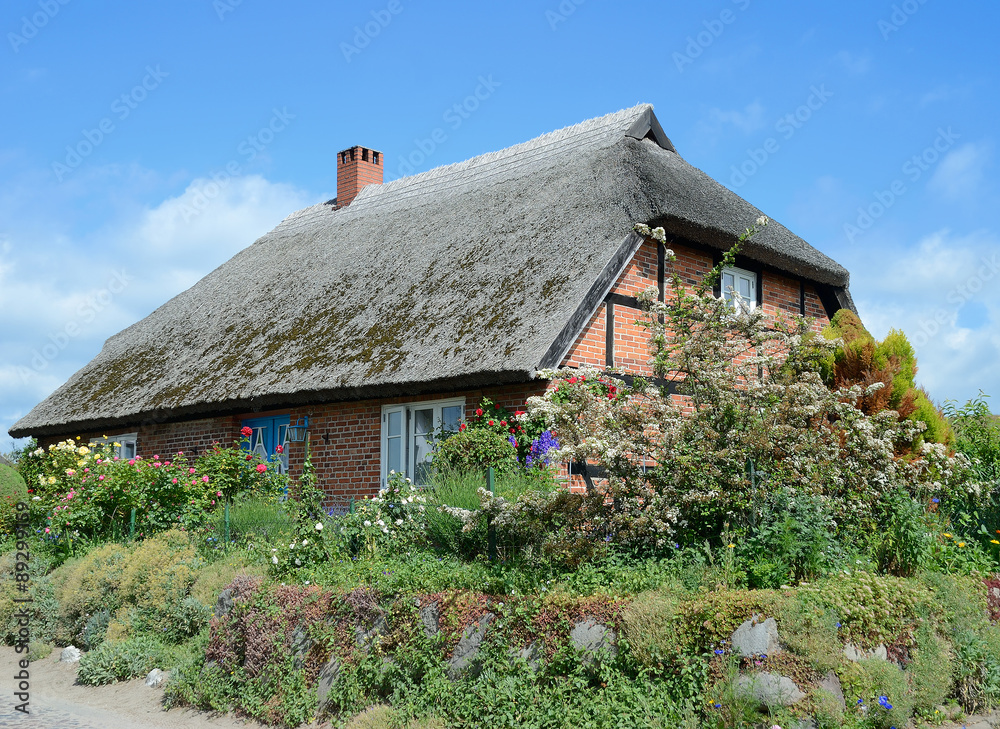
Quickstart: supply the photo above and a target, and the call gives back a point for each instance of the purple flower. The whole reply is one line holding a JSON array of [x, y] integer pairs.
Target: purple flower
[[538, 454]]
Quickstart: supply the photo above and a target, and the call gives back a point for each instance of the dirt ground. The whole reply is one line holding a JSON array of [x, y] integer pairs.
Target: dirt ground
[[57, 702]]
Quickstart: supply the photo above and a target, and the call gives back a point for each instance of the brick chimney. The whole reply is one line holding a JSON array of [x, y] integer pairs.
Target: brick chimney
[[357, 167]]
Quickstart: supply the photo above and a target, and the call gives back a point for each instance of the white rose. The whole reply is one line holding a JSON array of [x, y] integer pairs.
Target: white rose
[[319, 526], [367, 523], [275, 559]]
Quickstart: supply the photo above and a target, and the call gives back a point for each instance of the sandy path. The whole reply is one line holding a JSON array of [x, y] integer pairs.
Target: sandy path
[[57, 702]]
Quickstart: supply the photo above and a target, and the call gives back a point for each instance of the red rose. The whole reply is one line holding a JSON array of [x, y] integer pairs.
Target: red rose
[[261, 468], [503, 422], [511, 430], [461, 427], [479, 412], [279, 449], [572, 380], [246, 431], [491, 422], [249, 457]]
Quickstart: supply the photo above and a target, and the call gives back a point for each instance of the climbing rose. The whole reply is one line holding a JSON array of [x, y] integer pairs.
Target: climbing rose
[[261, 468], [246, 431], [479, 412], [279, 449]]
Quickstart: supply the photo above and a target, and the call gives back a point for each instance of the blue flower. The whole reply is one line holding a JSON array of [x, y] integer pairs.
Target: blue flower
[[884, 703], [838, 625], [718, 706], [719, 651], [540, 447], [934, 501]]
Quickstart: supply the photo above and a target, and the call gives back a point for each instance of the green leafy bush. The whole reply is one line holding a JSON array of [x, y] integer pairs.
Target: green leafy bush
[[12, 491], [475, 450], [112, 662]]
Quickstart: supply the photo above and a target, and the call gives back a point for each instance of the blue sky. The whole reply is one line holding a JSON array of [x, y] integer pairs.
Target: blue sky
[[868, 128]]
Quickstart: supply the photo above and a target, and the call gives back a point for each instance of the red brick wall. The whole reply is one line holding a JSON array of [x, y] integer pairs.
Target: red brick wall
[[779, 293]]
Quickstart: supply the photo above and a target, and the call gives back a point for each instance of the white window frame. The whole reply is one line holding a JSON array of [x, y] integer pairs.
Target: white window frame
[[732, 296], [408, 436], [125, 441]]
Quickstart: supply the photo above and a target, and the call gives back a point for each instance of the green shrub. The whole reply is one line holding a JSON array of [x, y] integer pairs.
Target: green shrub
[[810, 631], [648, 624], [95, 629], [871, 609], [938, 430], [89, 584], [452, 493], [12, 491], [39, 649], [121, 661], [797, 532], [905, 543], [930, 670], [213, 578], [871, 685], [475, 450], [252, 520]]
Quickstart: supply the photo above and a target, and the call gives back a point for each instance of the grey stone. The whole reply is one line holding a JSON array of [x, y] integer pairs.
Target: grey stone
[[363, 638], [769, 689], [589, 637], [806, 722], [327, 677], [531, 653], [465, 658], [430, 616], [156, 678], [69, 654], [300, 645], [224, 605], [754, 638], [856, 653], [831, 684]]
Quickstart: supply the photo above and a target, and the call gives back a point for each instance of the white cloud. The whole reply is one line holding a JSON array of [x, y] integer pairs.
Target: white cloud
[[924, 290], [959, 176], [62, 295], [748, 119]]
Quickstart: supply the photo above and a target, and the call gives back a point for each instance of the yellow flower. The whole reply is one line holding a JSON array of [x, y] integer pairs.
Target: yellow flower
[[730, 546], [994, 541], [946, 535], [961, 544], [83, 450]]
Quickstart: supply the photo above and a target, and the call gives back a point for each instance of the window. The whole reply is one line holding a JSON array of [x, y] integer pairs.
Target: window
[[739, 288], [409, 432], [125, 444], [267, 435]]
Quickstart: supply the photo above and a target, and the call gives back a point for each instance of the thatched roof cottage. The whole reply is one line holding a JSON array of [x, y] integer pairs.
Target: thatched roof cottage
[[395, 307]]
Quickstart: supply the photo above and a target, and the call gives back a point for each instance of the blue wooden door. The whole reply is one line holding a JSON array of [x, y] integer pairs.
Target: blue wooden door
[[267, 435]]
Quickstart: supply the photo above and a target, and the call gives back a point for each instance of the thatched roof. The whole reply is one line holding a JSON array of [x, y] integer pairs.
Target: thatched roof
[[471, 274]]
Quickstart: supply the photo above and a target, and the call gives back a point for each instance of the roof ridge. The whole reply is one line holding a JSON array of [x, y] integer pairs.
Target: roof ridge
[[545, 146]]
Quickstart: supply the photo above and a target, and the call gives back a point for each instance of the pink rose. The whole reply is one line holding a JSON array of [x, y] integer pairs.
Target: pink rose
[[204, 479], [261, 468]]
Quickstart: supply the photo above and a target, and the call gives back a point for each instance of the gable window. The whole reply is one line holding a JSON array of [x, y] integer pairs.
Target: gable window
[[739, 288], [409, 432], [124, 445], [267, 435]]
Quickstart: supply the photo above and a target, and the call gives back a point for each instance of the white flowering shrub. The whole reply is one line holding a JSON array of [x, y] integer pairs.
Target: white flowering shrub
[[732, 391]]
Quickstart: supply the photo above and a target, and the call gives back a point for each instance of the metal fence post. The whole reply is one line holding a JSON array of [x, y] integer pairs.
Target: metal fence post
[[131, 525], [225, 523], [491, 532]]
